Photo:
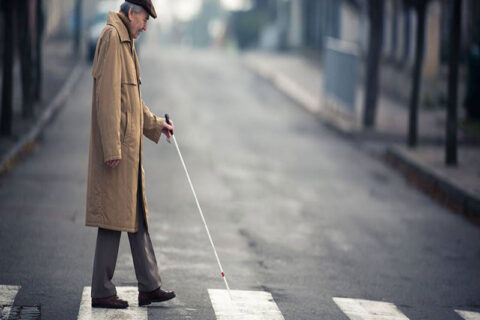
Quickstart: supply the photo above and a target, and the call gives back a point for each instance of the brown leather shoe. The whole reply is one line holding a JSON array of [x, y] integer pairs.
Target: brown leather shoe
[[157, 295], [112, 302]]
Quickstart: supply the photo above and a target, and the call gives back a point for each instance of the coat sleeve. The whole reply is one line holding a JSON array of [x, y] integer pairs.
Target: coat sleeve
[[152, 125], [108, 76]]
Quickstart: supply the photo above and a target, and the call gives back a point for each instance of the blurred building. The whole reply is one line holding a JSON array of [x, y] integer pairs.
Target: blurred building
[[58, 16], [306, 25]]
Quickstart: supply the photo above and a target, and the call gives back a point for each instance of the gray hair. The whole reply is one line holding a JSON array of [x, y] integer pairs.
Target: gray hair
[[125, 7]]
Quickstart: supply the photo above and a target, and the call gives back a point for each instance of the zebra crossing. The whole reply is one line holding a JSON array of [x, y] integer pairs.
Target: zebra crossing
[[9, 311], [7, 296], [244, 305], [367, 309], [360, 309], [468, 315], [251, 305], [134, 312]]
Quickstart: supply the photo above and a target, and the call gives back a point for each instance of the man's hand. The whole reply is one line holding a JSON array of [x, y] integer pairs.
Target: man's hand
[[112, 163], [167, 128]]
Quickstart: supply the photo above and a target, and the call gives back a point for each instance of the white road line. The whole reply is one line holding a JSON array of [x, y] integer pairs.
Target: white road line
[[7, 294], [245, 305], [357, 309], [134, 312], [468, 315], [7, 297]]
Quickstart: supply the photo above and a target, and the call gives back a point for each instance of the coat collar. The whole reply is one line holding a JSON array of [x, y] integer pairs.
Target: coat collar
[[114, 19]]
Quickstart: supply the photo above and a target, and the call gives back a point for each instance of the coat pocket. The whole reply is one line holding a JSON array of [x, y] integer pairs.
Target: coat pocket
[[124, 126], [129, 74]]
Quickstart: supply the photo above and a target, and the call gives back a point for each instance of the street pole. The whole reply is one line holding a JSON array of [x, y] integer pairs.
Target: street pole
[[375, 35], [26, 62], [78, 28], [420, 9], [7, 64], [451, 128]]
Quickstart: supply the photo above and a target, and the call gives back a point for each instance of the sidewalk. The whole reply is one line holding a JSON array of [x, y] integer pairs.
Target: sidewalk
[[301, 78]]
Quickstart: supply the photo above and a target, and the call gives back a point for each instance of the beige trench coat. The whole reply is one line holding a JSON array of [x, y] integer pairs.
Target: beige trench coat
[[119, 117]]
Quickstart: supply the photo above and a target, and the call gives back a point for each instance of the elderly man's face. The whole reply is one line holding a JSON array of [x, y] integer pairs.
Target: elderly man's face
[[138, 22]]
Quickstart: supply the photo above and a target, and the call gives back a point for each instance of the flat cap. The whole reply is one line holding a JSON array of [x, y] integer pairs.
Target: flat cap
[[147, 5]]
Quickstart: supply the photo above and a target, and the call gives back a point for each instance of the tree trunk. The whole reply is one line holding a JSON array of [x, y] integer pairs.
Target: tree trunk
[[375, 12], [25, 46], [417, 75], [7, 77], [451, 127]]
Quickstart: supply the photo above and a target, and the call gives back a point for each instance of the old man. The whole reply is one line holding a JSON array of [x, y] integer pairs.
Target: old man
[[116, 180]]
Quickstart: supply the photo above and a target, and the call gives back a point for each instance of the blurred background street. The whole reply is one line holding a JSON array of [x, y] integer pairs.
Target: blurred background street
[[337, 170]]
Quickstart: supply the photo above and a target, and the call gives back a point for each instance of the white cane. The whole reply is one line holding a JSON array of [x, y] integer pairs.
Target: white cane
[[167, 118]]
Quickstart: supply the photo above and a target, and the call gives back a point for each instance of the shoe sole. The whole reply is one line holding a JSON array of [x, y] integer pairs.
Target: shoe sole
[[109, 307], [145, 303]]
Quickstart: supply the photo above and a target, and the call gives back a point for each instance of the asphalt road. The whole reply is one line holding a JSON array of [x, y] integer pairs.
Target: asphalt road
[[294, 209]]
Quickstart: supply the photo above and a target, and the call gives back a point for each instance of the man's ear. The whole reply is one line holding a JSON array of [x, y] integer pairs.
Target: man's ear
[[130, 14]]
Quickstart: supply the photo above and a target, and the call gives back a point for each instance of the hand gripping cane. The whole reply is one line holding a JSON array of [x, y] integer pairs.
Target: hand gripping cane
[[167, 118]]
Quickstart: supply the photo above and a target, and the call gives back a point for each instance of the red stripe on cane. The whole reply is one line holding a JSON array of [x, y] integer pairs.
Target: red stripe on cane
[[223, 274]]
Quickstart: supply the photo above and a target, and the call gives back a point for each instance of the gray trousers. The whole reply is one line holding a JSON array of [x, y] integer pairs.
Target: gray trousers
[[106, 252]]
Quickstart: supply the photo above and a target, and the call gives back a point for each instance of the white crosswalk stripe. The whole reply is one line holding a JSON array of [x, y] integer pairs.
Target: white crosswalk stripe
[[245, 305], [358, 309], [134, 312], [7, 296], [468, 315]]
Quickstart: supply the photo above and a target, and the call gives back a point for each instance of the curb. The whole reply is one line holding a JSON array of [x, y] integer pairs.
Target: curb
[[285, 85], [28, 142], [329, 116], [324, 109], [328, 113], [435, 185]]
